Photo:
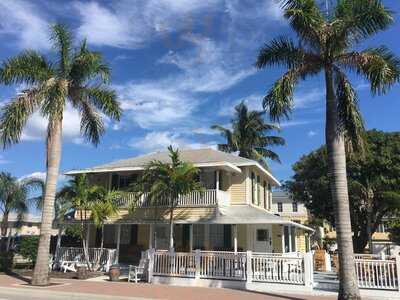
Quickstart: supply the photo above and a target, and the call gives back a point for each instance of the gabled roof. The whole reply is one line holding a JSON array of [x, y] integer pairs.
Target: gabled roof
[[199, 157]]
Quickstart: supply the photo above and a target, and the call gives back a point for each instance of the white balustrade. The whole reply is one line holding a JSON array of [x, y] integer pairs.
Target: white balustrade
[[205, 198], [241, 266], [105, 256], [377, 273]]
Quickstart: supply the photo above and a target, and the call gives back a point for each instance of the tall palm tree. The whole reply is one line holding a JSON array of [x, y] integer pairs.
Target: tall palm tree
[[325, 45], [77, 76], [249, 135], [103, 207], [168, 181], [15, 198], [82, 196]]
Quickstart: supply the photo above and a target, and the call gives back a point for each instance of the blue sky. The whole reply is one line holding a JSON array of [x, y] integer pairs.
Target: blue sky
[[178, 66]]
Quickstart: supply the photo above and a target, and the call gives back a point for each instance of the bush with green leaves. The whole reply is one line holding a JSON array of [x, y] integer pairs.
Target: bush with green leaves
[[28, 248]]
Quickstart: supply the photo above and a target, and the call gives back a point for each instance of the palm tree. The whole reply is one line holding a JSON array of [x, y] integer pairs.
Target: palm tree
[[82, 197], [103, 207], [325, 45], [78, 76], [249, 135], [14, 198], [168, 181]]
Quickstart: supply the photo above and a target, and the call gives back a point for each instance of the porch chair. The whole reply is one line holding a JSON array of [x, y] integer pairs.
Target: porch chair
[[137, 271], [70, 265]]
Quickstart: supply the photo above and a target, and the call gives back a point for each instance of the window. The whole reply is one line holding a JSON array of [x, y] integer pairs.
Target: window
[[265, 194], [253, 196], [294, 206], [258, 191], [280, 207], [262, 235]]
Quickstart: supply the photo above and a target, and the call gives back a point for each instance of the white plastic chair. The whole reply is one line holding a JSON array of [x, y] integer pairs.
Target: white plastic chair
[[136, 271]]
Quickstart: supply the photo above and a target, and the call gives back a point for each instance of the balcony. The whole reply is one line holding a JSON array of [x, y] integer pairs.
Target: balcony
[[207, 198]]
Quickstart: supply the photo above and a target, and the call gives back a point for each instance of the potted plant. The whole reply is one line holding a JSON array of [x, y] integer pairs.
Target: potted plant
[[114, 273], [82, 271]]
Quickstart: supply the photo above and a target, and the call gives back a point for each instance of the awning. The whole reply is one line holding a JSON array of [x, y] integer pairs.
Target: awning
[[246, 214]]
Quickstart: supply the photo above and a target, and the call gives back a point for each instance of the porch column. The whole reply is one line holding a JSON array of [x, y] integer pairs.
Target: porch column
[[217, 180], [235, 238], [151, 236], [290, 237], [118, 241], [283, 238], [191, 237]]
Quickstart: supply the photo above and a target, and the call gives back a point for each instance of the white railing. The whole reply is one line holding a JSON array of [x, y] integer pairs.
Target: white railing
[[205, 198], [278, 269], [106, 257], [240, 266], [378, 274], [220, 265]]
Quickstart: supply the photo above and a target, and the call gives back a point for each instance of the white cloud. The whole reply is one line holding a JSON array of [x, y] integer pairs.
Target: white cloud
[[253, 102], [36, 126], [286, 124], [42, 175], [155, 141], [311, 133], [204, 131], [25, 22], [3, 160], [131, 25], [308, 98]]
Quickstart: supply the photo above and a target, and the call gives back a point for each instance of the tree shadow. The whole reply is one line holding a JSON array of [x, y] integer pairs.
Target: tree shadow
[[18, 276]]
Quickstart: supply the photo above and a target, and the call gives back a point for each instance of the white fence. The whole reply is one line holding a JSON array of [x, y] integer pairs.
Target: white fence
[[378, 273], [107, 256], [241, 266], [205, 198]]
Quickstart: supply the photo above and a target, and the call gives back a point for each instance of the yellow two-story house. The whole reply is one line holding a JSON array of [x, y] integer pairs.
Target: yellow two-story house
[[234, 213]]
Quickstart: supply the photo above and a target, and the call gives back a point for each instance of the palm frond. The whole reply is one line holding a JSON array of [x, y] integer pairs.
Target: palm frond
[[378, 65], [350, 119], [62, 42], [357, 19], [15, 114], [306, 20], [105, 100], [92, 126], [29, 67]]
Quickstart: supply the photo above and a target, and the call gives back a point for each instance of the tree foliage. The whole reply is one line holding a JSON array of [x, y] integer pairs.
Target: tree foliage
[[249, 135], [374, 184]]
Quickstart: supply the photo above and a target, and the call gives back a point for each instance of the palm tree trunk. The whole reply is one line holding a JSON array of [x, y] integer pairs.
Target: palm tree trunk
[[348, 287], [54, 141], [4, 227]]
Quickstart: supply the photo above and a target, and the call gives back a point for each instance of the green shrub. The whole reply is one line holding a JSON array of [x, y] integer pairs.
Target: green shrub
[[28, 248], [6, 261]]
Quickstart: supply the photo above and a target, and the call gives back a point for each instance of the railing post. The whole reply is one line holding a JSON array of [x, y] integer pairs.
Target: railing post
[[308, 269], [397, 258], [197, 263], [249, 271], [150, 256]]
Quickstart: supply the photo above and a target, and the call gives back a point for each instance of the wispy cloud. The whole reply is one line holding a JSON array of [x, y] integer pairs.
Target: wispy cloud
[[3, 160], [155, 141], [24, 24], [311, 133]]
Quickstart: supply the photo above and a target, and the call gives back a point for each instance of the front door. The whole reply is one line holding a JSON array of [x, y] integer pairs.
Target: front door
[[262, 240]]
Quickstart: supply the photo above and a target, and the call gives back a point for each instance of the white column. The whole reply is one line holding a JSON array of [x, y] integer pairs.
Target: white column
[[191, 237], [151, 234], [235, 238], [290, 237], [217, 180], [118, 241]]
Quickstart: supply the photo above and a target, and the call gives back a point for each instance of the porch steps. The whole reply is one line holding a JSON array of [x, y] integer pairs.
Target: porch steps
[[327, 281]]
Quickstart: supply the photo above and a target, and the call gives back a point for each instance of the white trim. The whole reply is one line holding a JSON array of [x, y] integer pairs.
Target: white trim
[[262, 169]]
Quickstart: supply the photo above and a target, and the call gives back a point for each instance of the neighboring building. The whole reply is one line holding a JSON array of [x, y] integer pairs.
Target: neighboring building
[[289, 209], [29, 225], [235, 213]]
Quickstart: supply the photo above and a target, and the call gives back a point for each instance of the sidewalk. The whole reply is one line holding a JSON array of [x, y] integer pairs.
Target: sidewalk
[[80, 289]]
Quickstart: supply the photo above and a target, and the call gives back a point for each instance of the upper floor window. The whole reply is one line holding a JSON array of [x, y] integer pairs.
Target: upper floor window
[[122, 181], [280, 207], [253, 187], [294, 206], [265, 194], [258, 190]]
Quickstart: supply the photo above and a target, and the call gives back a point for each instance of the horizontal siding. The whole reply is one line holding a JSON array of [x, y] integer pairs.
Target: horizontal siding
[[238, 189], [300, 240]]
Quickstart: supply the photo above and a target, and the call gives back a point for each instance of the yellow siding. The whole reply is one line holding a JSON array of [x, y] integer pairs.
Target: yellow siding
[[301, 240], [277, 238], [238, 189]]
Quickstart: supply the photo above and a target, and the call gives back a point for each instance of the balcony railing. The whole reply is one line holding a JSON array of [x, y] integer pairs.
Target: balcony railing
[[210, 197]]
